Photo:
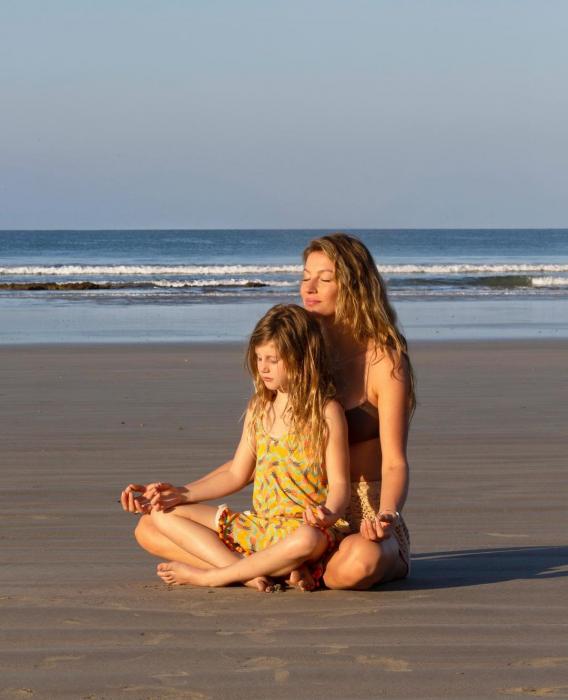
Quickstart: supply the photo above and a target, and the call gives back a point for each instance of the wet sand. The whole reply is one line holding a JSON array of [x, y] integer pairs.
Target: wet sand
[[84, 616]]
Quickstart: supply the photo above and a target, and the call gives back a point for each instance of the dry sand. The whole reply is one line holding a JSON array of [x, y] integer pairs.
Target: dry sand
[[83, 615]]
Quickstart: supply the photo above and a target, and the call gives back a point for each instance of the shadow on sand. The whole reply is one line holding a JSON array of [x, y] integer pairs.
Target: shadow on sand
[[474, 567]]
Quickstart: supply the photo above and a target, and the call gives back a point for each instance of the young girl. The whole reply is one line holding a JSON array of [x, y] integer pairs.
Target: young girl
[[294, 440]]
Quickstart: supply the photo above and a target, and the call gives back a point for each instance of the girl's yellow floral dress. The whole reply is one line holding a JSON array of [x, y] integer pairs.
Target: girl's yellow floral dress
[[286, 483]]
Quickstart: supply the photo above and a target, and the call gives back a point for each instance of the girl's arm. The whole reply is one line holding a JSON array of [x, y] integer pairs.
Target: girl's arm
[[337, 460], [220, 470], [231, 477], [337, 469]]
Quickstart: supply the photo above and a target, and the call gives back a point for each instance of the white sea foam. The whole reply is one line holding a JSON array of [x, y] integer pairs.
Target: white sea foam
[[549, 281], [150, 270], [472, 268], [231, 282], [147, 270]]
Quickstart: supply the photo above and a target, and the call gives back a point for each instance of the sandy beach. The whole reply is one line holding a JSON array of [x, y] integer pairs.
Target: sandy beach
[[83, 615]]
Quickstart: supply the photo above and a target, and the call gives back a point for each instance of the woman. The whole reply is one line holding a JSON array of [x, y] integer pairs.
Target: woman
[[374, 379]]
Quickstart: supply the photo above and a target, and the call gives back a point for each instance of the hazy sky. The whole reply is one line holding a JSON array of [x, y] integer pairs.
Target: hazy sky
[[269, 113]]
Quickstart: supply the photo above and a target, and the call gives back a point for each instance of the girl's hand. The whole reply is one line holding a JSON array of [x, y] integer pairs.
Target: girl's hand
[[320, 517], [164, 496], [134, 499], [379, 528]]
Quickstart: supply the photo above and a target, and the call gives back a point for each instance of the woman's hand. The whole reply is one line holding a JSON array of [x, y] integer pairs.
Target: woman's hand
[[135, 499], [320, 517], [379, 528], [164, 496]]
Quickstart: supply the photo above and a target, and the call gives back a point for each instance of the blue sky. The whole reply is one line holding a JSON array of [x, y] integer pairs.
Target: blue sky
[[225, 113]]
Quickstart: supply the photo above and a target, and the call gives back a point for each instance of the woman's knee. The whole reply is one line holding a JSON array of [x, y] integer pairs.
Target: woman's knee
[[359, 564]]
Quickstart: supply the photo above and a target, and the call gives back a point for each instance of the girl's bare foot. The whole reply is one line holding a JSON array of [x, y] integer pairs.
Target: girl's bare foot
[[302, 579], [260, 583], [175, 573]]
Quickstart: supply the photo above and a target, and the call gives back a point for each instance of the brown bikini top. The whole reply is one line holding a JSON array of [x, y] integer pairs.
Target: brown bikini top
[[362, 423]]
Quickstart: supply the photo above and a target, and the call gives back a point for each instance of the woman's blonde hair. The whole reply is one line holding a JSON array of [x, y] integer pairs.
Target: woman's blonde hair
[[299, 341], [363, 305]]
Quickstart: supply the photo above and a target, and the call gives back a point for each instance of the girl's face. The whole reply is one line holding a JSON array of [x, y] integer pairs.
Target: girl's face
[[271, 367], [319, 288]]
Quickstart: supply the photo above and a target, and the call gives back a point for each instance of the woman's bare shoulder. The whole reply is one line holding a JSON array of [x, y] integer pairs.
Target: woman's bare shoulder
[[386, 366]]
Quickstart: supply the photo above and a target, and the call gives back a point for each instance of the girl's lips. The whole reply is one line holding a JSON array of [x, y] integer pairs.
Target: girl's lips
[[311, 302]]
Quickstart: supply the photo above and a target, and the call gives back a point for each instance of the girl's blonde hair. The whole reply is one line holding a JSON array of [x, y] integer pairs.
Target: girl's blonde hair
[[362, 304], [299, 341]]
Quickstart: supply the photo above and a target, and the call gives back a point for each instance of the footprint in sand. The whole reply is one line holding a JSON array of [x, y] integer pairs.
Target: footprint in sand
[[263, 636], [154, 639], [511, 536], [352, 613], [16, 693], [164, 693], [173, 674], [262, 663], [267, 663], [385, 662], [332, 649], [546, 662], [559, 691], [55, 661]]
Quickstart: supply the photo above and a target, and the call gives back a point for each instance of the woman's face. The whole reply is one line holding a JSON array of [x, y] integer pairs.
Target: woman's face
[[319, 288]]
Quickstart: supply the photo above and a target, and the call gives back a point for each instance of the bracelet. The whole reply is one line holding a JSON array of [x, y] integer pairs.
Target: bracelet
[[394, 513]]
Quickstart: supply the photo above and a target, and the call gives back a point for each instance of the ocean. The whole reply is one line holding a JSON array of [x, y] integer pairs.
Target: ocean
[[191, 285]]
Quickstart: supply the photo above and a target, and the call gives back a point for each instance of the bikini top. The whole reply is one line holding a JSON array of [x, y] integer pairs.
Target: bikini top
[[363, 419], [362, 423]]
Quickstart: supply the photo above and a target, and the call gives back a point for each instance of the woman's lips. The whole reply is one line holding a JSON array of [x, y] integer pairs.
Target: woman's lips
[[311, 302]]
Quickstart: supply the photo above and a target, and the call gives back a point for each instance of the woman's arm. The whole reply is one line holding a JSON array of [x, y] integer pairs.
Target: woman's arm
[[391, 387]]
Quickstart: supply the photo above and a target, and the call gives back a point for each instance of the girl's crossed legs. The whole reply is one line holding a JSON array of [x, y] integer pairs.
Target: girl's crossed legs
[[189, 535]]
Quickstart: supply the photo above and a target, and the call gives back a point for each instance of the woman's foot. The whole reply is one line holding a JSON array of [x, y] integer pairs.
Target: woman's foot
[[301, 579]]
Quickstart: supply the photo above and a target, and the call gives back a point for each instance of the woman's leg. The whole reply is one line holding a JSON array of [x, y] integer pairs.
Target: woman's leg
[[304, 544], [359, 564]]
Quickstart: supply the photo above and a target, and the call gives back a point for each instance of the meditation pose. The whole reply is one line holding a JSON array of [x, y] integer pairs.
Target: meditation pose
[[372, 373], [294, 441]]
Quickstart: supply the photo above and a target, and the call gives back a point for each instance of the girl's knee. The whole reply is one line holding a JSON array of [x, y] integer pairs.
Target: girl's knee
[[306, 541], [160, 516], [144, 531]]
